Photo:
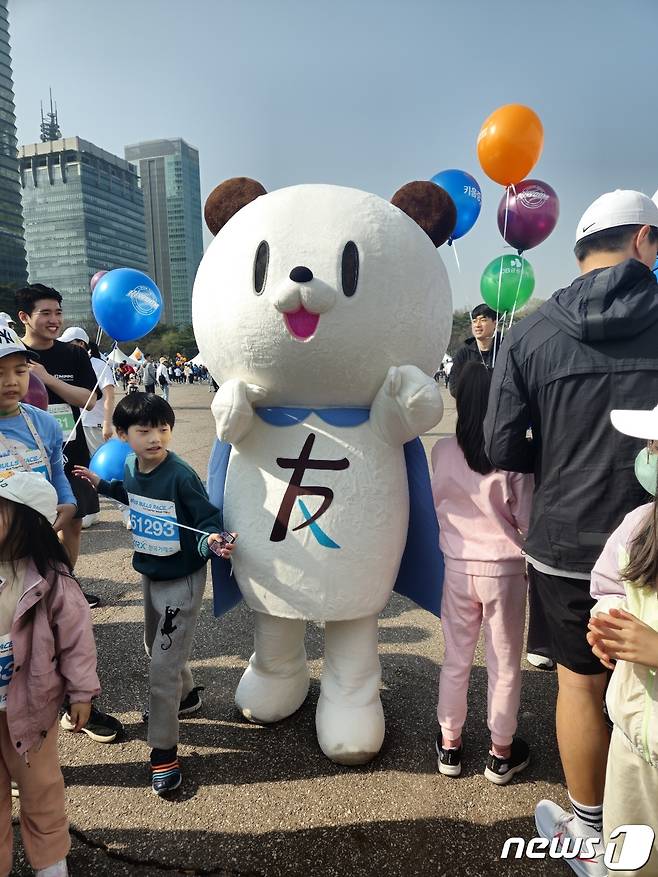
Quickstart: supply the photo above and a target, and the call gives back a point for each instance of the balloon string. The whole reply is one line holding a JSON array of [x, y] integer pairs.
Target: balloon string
[[500, 280], [74, 431], [454, 250], [518, 288]]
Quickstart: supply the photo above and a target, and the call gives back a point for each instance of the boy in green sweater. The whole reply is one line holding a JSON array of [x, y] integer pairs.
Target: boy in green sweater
[[165, 496]]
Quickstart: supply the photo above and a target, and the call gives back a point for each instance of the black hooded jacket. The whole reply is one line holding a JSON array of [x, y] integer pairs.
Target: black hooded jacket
[[591, 348]]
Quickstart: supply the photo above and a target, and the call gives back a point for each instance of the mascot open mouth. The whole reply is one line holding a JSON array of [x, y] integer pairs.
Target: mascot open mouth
[[301, 323]]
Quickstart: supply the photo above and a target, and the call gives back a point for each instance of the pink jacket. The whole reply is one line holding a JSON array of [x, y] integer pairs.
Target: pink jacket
[[54, 656], [483, 518]]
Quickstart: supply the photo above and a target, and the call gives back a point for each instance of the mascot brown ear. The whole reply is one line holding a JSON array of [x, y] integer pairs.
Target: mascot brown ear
[[430, 206], [226, 199]]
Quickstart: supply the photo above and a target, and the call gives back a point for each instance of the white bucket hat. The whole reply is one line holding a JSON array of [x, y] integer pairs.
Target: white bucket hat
[[30, 489], [639, 424]]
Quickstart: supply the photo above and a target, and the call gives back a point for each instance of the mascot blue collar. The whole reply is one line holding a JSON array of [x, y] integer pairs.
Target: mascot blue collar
[[420, 577]]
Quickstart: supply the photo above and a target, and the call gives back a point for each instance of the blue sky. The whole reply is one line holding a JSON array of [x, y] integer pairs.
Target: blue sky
[[369, 93]]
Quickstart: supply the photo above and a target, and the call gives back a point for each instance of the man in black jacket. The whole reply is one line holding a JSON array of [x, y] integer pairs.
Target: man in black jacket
[[591, 348], [480, 348]]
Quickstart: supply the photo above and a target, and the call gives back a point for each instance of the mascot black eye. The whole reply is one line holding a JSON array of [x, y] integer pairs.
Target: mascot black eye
[[260, 266], [350, 268]]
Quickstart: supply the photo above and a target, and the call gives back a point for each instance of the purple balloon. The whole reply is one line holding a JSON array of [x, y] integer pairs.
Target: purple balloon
[[532, 214], [94, 280], [37, 394]]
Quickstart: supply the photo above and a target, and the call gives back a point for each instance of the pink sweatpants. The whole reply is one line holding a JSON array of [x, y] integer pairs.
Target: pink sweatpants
[[498, 604]]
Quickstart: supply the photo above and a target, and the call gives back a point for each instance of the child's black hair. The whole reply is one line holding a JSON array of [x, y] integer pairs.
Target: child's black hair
[[471, 397], [142, 409], [30, 535]]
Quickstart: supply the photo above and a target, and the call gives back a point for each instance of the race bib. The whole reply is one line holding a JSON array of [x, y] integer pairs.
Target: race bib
[[6, 667], [153, 523], [63, 414], [9, 461]]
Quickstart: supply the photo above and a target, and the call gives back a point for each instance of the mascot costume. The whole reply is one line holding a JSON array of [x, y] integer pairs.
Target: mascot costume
[[321, 311]]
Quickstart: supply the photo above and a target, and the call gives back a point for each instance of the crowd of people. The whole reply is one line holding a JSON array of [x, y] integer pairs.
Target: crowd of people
[[535, 495]]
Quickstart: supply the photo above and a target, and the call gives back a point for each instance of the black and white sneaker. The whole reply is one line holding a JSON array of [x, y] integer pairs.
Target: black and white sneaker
[[101, 727], [191, 703], [92, 600], [449, 761], [501, 770]]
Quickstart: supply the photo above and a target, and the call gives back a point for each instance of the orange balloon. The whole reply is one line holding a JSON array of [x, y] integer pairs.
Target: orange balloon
[[510, 143]]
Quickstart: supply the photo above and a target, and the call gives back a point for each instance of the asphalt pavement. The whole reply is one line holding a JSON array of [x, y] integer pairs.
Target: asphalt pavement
[[264, 800]]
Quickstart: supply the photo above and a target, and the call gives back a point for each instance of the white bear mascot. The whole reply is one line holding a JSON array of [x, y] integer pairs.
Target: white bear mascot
[[321, 311]]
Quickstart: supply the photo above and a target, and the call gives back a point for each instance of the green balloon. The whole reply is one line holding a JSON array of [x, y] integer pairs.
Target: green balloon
[[517, 281]]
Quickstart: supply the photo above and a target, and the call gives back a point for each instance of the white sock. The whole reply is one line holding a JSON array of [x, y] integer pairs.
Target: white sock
[[589, 818]]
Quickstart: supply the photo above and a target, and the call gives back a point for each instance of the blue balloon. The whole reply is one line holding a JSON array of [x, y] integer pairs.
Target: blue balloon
[[655, 268], [126, 303], [467, 195], [109, 459]]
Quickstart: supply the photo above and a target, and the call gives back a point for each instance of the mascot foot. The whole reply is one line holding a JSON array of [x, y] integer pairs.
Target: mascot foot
[[349, 735], [264, 698], [275, 683]]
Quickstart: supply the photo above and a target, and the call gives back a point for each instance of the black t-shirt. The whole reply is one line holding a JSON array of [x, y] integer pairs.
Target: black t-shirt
[[71, 365]]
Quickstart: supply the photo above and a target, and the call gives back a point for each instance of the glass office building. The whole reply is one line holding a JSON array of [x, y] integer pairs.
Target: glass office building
[[13, 266], [84, 212], [169, 175]]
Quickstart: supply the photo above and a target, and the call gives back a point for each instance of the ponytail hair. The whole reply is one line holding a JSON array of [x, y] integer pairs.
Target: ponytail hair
[[472, 396]]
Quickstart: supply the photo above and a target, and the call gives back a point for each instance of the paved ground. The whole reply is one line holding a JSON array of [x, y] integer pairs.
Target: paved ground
[[265, 801]]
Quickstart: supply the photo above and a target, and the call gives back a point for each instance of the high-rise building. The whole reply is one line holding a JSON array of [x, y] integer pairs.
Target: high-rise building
[[169, 174], [13, 267], [84, 212]]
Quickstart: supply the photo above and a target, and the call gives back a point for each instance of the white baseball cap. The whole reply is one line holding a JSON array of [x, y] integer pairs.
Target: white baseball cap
[[74, 333], [639, 424], [621, 207], [11, 343], [6, 319], [30, 489]]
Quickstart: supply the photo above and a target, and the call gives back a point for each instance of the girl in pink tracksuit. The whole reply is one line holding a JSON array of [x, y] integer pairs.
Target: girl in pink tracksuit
[[483, 517], [47, 651]]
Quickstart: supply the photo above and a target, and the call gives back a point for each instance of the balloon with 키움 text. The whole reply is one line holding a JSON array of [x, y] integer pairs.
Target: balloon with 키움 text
[[467, 196]]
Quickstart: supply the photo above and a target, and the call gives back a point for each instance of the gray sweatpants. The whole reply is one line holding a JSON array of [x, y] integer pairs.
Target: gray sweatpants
[[171, 609]]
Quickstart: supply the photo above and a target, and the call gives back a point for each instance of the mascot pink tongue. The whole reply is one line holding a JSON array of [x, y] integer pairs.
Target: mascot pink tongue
[[301, 323]]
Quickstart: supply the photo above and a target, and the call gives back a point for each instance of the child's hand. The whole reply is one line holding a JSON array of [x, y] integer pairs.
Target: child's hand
[[87, 474], [80, 713], [594, 639], [621, 636], [65, 513], [225, 548]]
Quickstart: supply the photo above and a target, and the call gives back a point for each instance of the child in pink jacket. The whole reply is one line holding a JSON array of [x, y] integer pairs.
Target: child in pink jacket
[[483, 516], [47, 652]]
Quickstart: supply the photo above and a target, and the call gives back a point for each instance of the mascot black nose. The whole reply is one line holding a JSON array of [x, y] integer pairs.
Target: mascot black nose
[[301, 274]]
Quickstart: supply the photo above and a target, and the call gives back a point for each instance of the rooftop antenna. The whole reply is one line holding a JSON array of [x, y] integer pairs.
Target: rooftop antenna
[[49, 124]]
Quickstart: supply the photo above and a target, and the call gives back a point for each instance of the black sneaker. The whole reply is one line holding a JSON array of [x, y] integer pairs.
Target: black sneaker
[[501, 770], [101, 727], [92, 599], [449, 761], [165, 770], [192, 703]]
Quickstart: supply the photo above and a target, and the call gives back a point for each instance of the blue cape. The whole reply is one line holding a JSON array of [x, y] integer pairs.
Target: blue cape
[[420, 576]]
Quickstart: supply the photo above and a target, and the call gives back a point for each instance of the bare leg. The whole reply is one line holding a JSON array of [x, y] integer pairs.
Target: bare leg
[[582, 734], [275, 683], [70, 538], [349, 719]]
